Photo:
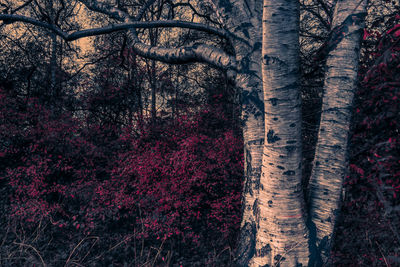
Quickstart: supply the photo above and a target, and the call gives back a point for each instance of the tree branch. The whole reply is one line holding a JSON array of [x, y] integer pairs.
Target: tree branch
[[191, 7], [324, 21], [8, 18], [151, 24], [12, 11], [194, 53], [328, 10]]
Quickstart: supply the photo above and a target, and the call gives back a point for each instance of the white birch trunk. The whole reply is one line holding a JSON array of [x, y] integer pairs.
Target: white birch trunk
[[244, 21], [330, 162], [282, 235]]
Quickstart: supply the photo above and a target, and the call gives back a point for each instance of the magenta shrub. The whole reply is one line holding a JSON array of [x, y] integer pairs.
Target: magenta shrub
[[177, 181], [373, 185], [183, 179]]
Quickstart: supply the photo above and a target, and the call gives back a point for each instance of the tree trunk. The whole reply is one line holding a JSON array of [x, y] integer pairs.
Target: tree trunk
[[53, 65], [282, 235], [53, 51], [330, 162], [245, 23], [153, 84]]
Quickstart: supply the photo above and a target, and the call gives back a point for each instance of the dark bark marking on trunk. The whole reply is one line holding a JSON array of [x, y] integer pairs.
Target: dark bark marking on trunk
[[315, 252], [248, 185], [256, 142], [271, 138], [265, 250], [247, 244], [270, 203], [280, 167], [290, 149], [257, 182], [337, 147], [256, 210], [289, 173], [252, 103], [257, 46], [274, 101], [267, 60], [279, 258]]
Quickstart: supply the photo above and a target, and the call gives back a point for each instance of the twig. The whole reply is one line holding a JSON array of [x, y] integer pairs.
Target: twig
[[384, 258], [158, 251], [78, 245], [34, 249]]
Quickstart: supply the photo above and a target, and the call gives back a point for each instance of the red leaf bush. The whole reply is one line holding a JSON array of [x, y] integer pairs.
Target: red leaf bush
[[178, 181], [373, 185]]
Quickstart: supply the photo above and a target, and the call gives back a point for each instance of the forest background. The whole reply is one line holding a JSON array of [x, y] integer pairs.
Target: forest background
[[107, 158]]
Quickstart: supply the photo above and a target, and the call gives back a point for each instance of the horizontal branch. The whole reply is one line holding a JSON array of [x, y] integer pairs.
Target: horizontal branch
[[188, 54], [9, 18], [179, 55], [154, 24]]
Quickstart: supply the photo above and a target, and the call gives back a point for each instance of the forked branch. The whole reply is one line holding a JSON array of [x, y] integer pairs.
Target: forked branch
[[194, 53]]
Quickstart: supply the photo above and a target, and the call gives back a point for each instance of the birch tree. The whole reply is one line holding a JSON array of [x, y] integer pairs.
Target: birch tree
[[330, 161], [279, 228]]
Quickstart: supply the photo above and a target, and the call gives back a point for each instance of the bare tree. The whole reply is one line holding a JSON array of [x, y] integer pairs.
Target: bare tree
[[43, 59]]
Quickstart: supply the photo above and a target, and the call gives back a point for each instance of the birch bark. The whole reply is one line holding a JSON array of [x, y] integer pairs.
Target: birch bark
[[330, 161], [243, 20], [282, 233]]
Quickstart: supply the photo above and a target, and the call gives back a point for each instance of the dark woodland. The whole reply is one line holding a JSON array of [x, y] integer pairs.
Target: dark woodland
[[113, 157]]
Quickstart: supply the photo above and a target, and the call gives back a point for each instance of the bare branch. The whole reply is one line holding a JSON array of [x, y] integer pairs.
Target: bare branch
[[195, 53], [328, 10], [7, 18], [10, 18], [15, 10], [21, 6], [150, 24], [194, 11], [324, 21], [143, 9]]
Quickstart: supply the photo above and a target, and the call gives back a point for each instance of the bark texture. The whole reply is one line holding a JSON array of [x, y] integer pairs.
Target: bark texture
[[246, 24], [330, 162], [281, 233]]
